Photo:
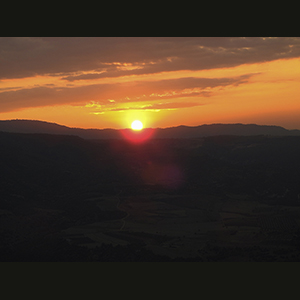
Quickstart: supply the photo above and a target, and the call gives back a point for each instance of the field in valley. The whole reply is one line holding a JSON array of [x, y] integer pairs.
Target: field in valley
[[185, 226]]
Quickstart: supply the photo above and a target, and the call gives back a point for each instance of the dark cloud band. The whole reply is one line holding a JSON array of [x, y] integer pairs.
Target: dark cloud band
[[23, 57]]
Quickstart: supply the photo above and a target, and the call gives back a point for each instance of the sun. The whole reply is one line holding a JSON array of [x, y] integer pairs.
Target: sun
[[137, 125]]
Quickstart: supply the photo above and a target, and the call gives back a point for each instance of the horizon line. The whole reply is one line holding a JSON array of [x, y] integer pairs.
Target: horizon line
[[181, 125]]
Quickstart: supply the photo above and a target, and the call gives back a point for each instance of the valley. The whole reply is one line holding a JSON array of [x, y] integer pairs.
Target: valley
[[220, 198]]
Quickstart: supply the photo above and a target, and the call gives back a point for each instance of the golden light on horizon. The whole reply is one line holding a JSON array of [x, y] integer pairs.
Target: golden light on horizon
[[137, 125]]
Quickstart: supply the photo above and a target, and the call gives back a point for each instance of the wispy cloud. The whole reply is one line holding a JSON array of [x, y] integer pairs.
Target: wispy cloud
[[159, 106], [116, 93]]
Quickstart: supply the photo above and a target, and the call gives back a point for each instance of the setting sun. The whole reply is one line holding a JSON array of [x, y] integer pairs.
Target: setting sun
[[137, 125]]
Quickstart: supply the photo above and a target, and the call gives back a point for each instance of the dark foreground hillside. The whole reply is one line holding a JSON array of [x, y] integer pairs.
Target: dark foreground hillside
[[222, 198]]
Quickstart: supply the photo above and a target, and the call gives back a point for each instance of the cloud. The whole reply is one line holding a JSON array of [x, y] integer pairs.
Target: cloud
[[47, 96], [159, 106], [197, 82], [115, 93], [72, 57], [90, 76]]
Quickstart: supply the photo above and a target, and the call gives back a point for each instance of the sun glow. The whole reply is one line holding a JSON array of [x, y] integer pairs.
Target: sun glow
[[137, 125]]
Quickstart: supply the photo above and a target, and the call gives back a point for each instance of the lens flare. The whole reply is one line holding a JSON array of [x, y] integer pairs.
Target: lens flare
[[137, 136]]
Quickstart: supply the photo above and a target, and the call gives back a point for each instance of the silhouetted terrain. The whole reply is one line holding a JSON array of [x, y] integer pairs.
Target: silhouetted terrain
[[28, 126], [216, 198]]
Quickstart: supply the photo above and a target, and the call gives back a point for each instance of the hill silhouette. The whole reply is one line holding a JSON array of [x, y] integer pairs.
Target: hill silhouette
[[34, 126], [224, 129]]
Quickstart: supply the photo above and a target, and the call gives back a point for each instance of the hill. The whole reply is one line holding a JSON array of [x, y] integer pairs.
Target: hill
[[33, 126], [224, 129], [218, 198]]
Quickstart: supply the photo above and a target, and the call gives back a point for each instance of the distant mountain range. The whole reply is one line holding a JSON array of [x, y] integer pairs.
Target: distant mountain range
[[33, 126]]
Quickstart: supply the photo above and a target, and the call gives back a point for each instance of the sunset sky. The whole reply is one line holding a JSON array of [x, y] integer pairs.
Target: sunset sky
[[95, 82]]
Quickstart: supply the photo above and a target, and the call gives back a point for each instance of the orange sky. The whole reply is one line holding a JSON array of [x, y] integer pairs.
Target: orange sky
[[164, 82]]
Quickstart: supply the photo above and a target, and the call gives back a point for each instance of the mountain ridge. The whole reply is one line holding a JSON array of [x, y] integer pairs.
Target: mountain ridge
[[181, 131]]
